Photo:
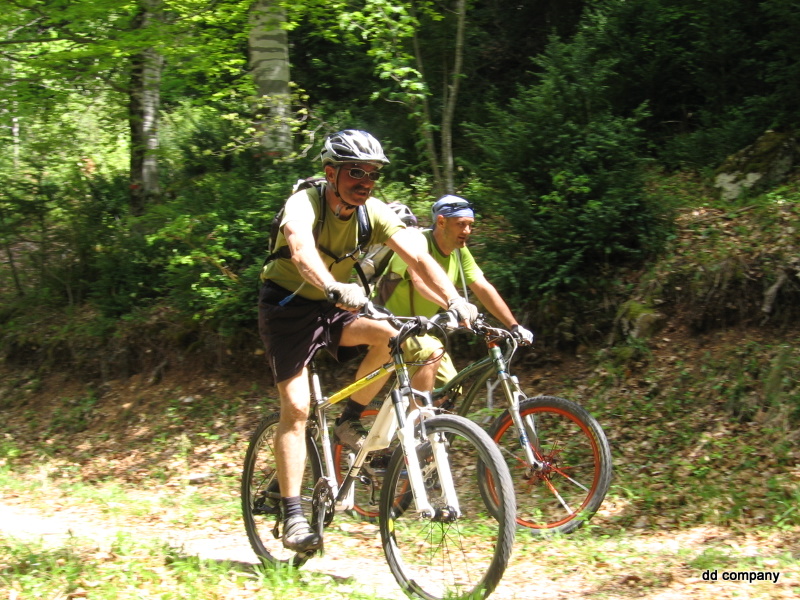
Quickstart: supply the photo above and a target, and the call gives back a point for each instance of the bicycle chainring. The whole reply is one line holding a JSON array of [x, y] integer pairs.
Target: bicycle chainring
[[323, 504]]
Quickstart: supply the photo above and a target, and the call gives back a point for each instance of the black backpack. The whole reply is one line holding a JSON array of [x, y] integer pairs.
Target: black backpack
[[362, 218]]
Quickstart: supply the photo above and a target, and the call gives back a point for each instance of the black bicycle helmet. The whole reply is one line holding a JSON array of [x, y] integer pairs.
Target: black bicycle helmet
[[352, 145]]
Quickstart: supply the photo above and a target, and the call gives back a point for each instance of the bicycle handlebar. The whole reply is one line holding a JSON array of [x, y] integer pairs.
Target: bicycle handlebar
[[481, 327], [445, 321]]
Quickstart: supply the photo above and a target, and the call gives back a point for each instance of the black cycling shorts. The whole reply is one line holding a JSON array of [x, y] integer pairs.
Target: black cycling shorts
[[294, 332]]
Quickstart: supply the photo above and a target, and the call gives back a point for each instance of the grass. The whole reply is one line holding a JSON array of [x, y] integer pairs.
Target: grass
[[128, 568], [636, 547]]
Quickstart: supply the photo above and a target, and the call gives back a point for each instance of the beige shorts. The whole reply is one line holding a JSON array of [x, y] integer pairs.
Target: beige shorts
[[419, 349]]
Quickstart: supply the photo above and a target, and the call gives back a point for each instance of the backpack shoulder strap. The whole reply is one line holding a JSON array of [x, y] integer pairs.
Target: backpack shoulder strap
[[364, 234], [364, 227], [283, 251], [320, 187], [461, 272]]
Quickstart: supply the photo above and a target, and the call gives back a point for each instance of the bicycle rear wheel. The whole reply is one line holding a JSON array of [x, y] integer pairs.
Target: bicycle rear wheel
[[447, 557], [573, 480], [261, 498]]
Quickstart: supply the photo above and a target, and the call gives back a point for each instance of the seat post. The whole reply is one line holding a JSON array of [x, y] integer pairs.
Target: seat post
[[316, 389]]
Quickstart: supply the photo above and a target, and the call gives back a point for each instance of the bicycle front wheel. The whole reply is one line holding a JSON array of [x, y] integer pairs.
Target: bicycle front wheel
[[449, 556], [261, 498], [574, 472]]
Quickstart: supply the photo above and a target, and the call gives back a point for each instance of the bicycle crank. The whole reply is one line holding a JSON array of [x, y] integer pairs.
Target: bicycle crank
[[322, 505]]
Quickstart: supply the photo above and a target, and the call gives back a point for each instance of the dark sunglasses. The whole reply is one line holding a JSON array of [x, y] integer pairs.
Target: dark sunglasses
[[455, 206], [357, 173], [446, 210]]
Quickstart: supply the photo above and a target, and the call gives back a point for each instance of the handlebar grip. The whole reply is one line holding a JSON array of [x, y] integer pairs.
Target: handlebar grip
[[448, 320]]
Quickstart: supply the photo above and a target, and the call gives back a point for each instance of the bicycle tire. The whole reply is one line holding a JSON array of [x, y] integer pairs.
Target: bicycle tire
[[462, 559], [261, 507], [569, 490], [366, 491]]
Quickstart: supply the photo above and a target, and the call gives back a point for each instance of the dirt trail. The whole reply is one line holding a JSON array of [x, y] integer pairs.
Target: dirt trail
[[56, 530], [356, 561], [620, 571], [368, 572]]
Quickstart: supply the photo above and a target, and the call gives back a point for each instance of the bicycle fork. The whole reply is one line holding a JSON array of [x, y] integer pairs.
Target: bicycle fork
[[414, 470], [525, 426]]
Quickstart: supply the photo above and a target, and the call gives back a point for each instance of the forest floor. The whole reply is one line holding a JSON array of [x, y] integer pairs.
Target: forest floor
[[159, 457]]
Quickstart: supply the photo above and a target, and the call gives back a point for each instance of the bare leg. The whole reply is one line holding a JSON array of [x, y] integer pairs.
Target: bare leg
[[290, 456], [377, 334], [290, 442]]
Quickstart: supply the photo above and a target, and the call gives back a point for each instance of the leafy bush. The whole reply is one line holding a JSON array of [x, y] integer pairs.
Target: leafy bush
[[720, 134], [567, 178]]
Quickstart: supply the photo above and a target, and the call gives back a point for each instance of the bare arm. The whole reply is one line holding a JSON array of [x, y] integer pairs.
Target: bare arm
[[419, 285], [411, 246], [494, 303], [300, 239]]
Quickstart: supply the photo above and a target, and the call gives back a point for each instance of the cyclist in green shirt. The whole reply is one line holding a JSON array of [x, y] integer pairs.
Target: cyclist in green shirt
[[405, 294], [306, 303]]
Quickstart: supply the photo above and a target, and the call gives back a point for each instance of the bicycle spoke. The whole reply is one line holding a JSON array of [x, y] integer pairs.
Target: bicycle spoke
[[261, 506], [574, 464], [447, 557]]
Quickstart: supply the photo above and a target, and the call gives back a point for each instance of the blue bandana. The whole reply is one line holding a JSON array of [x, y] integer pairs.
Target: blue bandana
[[452, 206]]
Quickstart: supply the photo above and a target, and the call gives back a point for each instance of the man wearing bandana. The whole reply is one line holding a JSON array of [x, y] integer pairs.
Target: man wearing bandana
[[405, 294]]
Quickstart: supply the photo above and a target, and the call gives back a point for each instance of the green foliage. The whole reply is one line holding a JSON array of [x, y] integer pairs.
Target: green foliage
[[211, 261], [718, 134], [782, 46], [567, 175], [714, 76], [58, 205], [562, 137]]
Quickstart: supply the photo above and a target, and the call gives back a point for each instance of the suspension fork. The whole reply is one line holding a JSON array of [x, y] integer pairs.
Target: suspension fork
[[402, 396], [525, 426]]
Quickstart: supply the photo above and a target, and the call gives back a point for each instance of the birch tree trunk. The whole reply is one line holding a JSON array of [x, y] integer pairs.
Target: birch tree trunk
[[269, 63], [143, 117], [451, 96]]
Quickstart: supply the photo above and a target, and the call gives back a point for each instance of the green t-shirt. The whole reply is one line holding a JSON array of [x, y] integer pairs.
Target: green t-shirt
[[338, 236], [406, 301]]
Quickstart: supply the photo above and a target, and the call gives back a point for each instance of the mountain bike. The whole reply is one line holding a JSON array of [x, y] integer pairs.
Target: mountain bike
[[557, 453], [442, 537]]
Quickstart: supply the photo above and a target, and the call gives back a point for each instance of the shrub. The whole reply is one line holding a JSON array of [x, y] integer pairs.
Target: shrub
[[567, 174]]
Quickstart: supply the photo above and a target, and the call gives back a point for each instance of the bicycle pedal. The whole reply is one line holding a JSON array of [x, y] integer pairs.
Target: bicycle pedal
[[267, 510], [311, 553]]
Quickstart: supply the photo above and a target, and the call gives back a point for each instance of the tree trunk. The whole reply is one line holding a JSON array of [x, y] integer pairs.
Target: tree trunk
[[9, 253], [451, 96], [426, 127], [443, 163], [269, 63], [143, 117]]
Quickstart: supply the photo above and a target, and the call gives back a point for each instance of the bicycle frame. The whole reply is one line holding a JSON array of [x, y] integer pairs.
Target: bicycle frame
[[428, 531], [496, 362], [393, 419]]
